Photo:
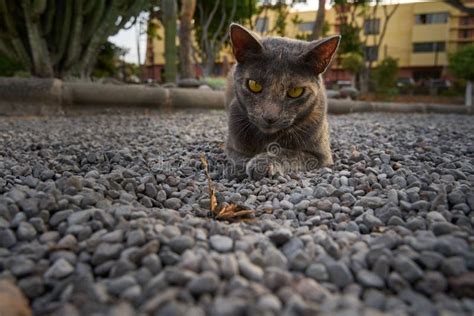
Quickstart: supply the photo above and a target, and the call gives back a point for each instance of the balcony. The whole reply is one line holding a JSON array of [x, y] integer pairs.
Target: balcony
[[462, 27]]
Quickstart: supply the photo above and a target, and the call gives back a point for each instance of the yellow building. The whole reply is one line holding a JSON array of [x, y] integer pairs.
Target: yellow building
[[420, 35]]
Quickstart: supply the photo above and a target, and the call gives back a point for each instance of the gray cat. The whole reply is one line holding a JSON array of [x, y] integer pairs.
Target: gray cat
[[277, 105]]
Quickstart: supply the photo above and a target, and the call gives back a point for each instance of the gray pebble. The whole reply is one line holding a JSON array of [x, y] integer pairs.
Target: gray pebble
[[250, 270], [221, 243], [32, 286], [269, 303], [369, 279], [25, 231], [280, 236], [60, 269], [274, 258], [286, 205], [135, 237], [407, 268], [7, 238], [173, 203], [453, 266], [118, 285], [58, 217], [339, 274], [299, 260], [106, 251], [432, 282], [79, 217], [317, 272], [180, 243], [372, 202], [207, 282]]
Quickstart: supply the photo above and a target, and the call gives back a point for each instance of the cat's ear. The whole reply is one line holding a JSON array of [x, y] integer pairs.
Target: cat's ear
[[244, 43], [320, 53]]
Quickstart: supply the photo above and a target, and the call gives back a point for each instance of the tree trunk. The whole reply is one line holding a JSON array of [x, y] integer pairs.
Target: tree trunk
[[209, 65], [364, 81], [186, 25], [169, 24], [139, 33], [468, 93], [319, 24]]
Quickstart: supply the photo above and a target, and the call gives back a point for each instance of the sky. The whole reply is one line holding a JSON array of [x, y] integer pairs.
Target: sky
[[128, 38]]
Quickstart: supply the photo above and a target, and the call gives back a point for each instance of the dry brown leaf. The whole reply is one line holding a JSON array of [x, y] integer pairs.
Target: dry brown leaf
[[213, 201], [268, 210], [228, 212], [232, 211], [380, 229], [212, 193], [12, 300]]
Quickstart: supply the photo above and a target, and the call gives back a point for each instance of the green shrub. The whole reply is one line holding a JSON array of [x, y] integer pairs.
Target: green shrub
[[9, 68], [353, 62], [384, 77], [216, 83], [461, 63]]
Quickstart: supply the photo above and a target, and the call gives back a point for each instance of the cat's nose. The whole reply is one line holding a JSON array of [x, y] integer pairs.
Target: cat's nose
[[269, 119]]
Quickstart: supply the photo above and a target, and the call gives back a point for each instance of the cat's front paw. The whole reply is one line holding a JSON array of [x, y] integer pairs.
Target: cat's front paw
[[234, 170], [262, 166]]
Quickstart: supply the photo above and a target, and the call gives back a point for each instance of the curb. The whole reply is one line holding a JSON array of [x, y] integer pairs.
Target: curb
[[20, 96], [28, 96], [336, 106]]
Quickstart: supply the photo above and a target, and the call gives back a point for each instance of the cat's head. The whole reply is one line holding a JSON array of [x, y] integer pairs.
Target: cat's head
[[278, 79]]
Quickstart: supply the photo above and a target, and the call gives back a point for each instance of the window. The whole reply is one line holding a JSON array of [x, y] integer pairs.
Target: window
[[432, 18], [466, 33], [372, 26], [261, 25], [372, 53], [306, 26], [466, 20], [429, 47]]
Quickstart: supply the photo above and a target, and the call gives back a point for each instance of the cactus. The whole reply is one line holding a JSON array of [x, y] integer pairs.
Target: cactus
[[169, 8], [57, 38], [186, 25]]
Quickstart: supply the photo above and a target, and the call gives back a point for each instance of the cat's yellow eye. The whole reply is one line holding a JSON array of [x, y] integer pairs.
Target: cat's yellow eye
[[254, 86], [295, 92]]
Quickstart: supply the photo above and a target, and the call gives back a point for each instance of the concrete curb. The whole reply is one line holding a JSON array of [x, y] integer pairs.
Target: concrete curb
[[344, 106], [21, 96], [30, 96]]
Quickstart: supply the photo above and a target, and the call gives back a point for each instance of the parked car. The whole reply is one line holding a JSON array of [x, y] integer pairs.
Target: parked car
[[337, 84], [343, 83], [405, 81], [341, 89], [405, 85], [349, 92], [333, 94], [440, 85], [343, 93]]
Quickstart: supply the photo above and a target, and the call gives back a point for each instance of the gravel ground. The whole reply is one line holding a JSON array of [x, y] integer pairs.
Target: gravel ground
[[108, 215]]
